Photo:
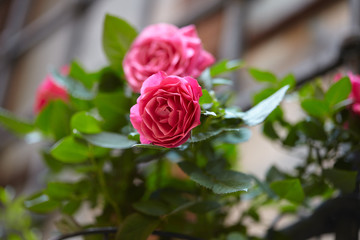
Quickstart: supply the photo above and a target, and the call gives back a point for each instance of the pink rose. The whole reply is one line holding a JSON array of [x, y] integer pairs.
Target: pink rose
[[164, 47], [167, 109], [49, 90], [355, 91]]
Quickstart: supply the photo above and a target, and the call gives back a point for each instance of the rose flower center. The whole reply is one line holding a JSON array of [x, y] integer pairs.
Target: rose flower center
[[163, 111]]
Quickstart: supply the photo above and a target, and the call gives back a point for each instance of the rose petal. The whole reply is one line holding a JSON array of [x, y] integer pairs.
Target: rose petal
[[152, 81], [47, 91], [164, 47]]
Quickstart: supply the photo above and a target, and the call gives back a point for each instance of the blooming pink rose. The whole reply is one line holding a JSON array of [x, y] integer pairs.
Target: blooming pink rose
[[167, 109], [164, 47], [49, 90], [355, 91]]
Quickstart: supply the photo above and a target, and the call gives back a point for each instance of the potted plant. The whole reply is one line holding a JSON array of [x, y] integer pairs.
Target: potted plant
[[154, 145]]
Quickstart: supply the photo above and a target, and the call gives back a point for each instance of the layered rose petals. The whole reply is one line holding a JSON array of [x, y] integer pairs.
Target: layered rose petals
[[167, 109], [164, 47]]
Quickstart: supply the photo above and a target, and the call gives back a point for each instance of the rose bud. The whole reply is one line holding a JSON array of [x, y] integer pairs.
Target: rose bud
[[167, 109], [50, 90], [164, 47]]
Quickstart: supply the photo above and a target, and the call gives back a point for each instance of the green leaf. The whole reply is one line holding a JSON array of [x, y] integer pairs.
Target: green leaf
[[262, 76], [205, 79], [5, 197], [235, 136], [112, 107], [315, 186], [201, 136], [111, 104], [59, 190], [231, 135], [41, 203], [100, 151], [67, 225], [14, 236], [341, 179], [109, 140], [269, 130], [71, 207], [277, 115], [152, 208], [226, 66], [252, 213], [110, 81], [289, 209], [116, 40], [274, 174], [307, 91], [220, 181], [52, 163], [233, 113], [78, 72], [54, 120], [264, 187], [228, 152], [222, 81], [137, 227], [208, 113], [74, 88], [149, 146], [342, 105], [292, 137], [207, 100], [338, 92], [315, 107], [236, 236], [205, 206], [69, 150], [85, 123], [289, 189], [313, 129], [14, 124], [288, 80], [263, 94], [257, 114]]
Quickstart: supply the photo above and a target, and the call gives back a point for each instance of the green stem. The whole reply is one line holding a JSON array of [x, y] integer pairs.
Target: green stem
[[103, 185], [159, 170], [195, 153]]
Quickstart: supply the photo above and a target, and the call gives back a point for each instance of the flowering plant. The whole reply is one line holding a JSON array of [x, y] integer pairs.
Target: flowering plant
[[165, 159], [164, 47]]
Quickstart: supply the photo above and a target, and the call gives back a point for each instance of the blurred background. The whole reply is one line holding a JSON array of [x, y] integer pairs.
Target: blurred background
[[303, 37]]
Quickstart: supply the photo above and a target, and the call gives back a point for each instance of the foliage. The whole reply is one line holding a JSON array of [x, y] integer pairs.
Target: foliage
[[15, 222], [191, 188], [328, 135]]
